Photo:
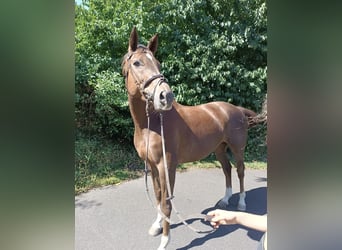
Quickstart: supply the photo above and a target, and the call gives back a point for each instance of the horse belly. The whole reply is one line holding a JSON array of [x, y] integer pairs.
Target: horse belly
[[195, 150]]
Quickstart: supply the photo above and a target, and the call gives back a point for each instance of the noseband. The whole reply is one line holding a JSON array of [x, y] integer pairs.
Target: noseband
[[161, 80], [151, 79]]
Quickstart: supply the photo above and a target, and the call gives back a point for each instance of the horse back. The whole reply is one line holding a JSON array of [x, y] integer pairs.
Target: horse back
[[196, 131]]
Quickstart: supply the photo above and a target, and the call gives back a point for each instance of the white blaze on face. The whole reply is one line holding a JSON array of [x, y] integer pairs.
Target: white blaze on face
[[149, 56], [151, 59]]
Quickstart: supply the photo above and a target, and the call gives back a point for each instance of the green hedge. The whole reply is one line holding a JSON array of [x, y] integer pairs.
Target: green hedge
[[209, 50]]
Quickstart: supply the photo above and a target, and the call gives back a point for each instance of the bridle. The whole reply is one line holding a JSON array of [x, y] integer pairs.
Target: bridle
[[143, 85]]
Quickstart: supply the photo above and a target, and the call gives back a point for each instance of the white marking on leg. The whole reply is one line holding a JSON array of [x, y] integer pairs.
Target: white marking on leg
[[227, 195], [156, 227], [242, 202], [164, 241], [157, 222]]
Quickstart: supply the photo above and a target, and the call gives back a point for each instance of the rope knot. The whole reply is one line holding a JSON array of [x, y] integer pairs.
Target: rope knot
[[147, 113], [170, 197]]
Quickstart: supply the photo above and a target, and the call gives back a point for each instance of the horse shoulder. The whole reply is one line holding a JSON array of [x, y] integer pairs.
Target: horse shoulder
[[139, 144]]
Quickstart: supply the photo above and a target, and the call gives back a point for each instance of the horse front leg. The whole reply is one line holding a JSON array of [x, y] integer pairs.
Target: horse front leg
[[165, 204], [156, 227]]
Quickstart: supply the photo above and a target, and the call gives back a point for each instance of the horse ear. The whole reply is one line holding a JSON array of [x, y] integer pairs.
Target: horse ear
[[133, 40], [153, 44]]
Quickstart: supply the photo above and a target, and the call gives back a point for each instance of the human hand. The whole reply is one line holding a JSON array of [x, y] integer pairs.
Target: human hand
[[221, 217]]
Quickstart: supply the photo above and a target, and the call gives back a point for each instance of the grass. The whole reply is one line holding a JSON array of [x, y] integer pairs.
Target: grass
[[101, 162], [216, 164], [211, 162]]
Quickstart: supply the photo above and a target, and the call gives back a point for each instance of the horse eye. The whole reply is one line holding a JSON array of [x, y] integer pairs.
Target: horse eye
[[136, 63]]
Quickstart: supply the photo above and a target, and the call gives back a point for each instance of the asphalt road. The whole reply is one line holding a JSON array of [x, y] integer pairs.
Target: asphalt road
[[118, 217]]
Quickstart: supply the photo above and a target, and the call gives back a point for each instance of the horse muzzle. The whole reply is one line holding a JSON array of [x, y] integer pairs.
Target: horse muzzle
[[157, 90], [163, 98]]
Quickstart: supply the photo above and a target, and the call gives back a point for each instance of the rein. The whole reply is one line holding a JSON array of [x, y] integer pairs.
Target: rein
[[201, 216]]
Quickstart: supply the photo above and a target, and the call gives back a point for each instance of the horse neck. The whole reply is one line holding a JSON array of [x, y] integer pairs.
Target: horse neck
[[137, 108]]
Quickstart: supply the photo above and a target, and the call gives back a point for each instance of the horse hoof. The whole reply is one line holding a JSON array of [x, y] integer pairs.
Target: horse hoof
[[241, 207], [221, 204], [154, 231], [164, 242]]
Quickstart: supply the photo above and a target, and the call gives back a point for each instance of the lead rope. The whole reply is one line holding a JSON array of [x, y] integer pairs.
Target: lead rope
[[146, 168], [169, 187], [167, 178]]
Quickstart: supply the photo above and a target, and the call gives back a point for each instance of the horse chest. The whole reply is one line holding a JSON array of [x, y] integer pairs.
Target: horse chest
[[140, 146], [153, 146]]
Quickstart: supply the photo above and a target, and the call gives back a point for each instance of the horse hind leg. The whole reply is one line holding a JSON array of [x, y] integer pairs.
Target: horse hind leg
[[240, 168], [222, 157]]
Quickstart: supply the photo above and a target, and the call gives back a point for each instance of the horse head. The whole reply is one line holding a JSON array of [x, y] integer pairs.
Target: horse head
[[142, 74]]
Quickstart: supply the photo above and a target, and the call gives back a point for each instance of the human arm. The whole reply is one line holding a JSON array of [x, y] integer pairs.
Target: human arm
[[223, 217]]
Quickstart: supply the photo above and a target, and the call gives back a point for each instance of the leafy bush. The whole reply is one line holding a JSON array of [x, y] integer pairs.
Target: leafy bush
[[209, 53], [100, 162], [111, 113], [209, 50]]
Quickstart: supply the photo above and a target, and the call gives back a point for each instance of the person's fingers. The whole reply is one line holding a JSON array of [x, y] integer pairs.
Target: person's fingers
[[211, 213], [215, 219], [208, 218], [214, 224]]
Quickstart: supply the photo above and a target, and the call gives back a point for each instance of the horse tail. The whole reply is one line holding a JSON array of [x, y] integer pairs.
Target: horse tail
[[250, 115], [253, 118]]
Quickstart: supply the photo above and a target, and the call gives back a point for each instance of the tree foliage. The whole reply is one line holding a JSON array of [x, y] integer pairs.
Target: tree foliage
[[209, 50]]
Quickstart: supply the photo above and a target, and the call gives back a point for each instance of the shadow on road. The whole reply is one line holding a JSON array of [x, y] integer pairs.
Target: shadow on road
[[86, 203], [256, 200]]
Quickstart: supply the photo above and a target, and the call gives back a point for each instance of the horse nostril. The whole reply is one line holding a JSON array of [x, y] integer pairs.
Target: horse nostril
[[162, 97], [169, 97], [166, 98]]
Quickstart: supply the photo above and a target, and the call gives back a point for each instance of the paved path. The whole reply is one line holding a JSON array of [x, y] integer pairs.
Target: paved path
[[118, 217]]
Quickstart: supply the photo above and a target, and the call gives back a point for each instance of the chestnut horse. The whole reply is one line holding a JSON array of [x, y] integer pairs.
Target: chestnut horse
[[191, 132]]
